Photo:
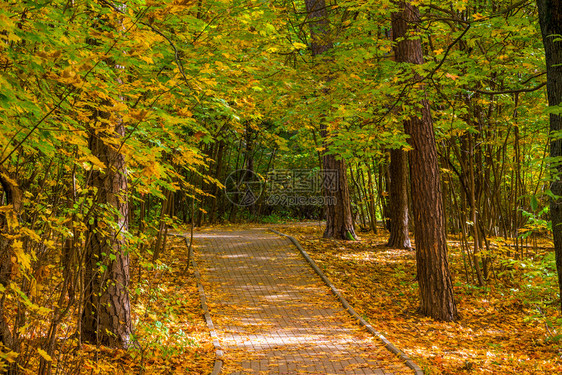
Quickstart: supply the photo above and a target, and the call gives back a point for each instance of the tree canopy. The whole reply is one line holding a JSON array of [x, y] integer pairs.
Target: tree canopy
[[123, 121]]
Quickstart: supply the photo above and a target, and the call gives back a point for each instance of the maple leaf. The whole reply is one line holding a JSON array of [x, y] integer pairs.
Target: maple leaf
[[452, 76]]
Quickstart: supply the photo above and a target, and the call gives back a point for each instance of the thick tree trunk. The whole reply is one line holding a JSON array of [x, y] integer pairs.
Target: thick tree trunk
[[399, 236], [550, 19], [436, 288], [106, 318], [339, 221]]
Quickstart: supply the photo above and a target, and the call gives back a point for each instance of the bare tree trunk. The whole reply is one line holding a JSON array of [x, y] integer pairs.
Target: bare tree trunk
[[550, 19], [434, 278], [399, 236]]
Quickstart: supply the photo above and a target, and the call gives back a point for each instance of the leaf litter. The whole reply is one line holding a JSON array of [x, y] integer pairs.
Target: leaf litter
[[504, 326]]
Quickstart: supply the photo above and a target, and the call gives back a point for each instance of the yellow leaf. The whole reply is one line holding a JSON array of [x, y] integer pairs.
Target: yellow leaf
[[9, 180], [152, 169], [185, 112], [452, 76], [44, 355], [31, 234], [478, 17], [10, 356], [21, 256], [206, 69], [13, 38], [146, 59], [93, 160]]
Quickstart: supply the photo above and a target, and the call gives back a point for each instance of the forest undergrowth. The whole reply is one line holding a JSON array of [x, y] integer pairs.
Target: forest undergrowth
[[170, 334]]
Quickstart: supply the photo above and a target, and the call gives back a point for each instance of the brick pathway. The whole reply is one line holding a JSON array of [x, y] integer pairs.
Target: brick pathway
[[273, 314]]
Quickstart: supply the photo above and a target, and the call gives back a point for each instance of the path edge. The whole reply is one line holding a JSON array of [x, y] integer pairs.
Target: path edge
[[217, 367], [391, 347]]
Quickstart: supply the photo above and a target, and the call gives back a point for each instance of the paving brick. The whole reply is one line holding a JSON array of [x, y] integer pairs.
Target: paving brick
[[272, 313]]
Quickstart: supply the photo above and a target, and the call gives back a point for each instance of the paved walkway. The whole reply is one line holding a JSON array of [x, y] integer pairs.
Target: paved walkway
[[273, 314]]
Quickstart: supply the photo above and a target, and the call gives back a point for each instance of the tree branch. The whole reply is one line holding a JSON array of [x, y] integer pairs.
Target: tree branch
[[176, 55], [514, 91]]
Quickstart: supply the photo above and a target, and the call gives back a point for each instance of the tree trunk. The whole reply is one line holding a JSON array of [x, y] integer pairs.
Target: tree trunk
[[436, 287], [8, 230], [399, 236], [550, 19], [106, 318], [250, 137], [215, 189], [339, 221], [382, 189], [371, 202]]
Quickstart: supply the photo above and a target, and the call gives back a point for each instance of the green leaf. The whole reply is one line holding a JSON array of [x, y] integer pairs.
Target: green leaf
[[534, 203]]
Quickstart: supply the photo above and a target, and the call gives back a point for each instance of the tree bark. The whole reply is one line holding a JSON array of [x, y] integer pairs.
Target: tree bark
[[399, 236], [436, 287], [550, 20], [339, 221], [106, 318]]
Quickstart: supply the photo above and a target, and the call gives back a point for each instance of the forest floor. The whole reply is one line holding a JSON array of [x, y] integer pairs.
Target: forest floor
[[171, 336], [510, 325]]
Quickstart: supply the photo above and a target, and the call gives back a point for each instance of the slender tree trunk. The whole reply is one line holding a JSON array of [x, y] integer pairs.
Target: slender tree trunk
[[8, 228], [436, 287], [372, 204], [165, 209], [215, 188], [106, 319], [210, 153], [339, 221], [550, 19], [382, 188], [360, 197], [250, 137], [474, 217], [399, 236]]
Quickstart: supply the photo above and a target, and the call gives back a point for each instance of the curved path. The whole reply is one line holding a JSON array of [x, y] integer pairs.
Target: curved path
[[274, 315]]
